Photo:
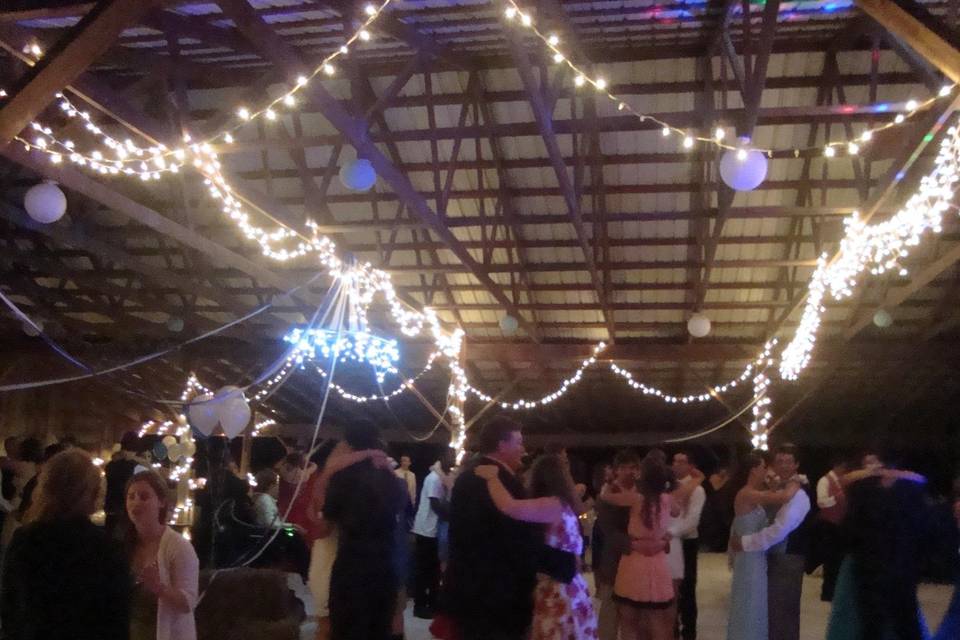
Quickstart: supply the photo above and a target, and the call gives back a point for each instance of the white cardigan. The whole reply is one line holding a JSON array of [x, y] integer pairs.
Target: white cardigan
[[179, 568]]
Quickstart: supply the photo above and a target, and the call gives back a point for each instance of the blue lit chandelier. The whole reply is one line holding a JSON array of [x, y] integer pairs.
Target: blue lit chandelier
[[342, 333]]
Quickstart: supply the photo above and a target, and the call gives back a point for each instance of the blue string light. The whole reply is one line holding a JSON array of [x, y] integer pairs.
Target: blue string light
[[359, 346]]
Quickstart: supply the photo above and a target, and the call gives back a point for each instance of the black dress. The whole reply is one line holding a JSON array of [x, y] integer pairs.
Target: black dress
[[64, 580], [366, 504]]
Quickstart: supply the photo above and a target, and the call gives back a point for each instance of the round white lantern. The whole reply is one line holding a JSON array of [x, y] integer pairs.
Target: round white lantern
[[31, 330], [45, 202], [202, 413], [175, 324], [882, 318], [509, 325], [698, 325], [743, 169], [358, 175]]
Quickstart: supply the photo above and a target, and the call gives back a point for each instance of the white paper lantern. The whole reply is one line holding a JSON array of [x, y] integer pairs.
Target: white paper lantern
[[882, 318], [31, 330], [169, 441], [745, 174], [203, 414], [175, 324], [509, 325], [45, 202], [698, 325], [358, 175]]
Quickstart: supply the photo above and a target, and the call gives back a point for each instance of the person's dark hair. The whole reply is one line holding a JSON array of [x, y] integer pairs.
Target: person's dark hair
[[265, 479], [742, 474], [31, 451], [218, 452], [53, 449], [655, 480], [295, 459], [495, 432], [362, 434], [447, 458], [68, 441], [682, 452], [656, 454], [625, 457], [322, 454], [788, 449], [554, 449], [130, 441], [548, 477]]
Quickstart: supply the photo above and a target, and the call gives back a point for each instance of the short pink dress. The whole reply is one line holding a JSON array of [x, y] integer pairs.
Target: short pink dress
[[644, 580]]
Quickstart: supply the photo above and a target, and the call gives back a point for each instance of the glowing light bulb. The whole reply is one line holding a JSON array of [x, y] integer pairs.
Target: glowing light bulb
[[510, 13], [228, 138], [364, 35], [867, 136], [554, 40], [601, 84], [329, 69], [665, 132], [244, 113], [370, 10], [525, 19], [289, 100], [911, 105], [270, 114], [558, 57], [687, 142], [945, 90], [853, 148], [719, 134], [579, 80], [829, 152], [899, 119], [741, 154]]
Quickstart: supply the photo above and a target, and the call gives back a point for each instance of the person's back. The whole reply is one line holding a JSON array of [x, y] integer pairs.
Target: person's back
[[64, 579], [491, 573]]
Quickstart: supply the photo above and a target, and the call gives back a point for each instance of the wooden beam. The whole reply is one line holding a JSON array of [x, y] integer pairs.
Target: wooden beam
[[355, 130], [85, 42], [913, 33]]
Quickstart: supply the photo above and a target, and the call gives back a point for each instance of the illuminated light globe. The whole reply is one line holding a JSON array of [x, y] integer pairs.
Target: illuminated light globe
[[358, 175], [698, 325], [45, 202], [380, 353], [744, 174], [882, 318]]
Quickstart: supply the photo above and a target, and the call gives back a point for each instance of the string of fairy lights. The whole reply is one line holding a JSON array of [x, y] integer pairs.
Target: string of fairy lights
[[878, 247], [517, 16]]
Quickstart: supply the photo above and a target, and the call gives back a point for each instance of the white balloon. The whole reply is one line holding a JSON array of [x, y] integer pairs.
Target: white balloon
[[234, 416], [175, 452], [746, 174], [358, 175], [882, 318], [202, 413], [45, 202], [189, 447], [698, 325], [509, 324], [169, 441]]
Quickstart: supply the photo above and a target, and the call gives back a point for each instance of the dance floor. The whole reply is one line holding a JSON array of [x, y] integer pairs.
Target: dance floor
[[713, 593]]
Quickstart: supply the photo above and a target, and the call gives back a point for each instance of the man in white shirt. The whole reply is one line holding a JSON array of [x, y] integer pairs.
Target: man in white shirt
[[404, 473], [433, 507], [686, 527], [785, 542]]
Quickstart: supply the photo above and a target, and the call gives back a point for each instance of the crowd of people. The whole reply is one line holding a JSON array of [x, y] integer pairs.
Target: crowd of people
[[491, 548]]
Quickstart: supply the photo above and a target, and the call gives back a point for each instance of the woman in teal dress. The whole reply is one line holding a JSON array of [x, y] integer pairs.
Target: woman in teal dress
[[748, 592]]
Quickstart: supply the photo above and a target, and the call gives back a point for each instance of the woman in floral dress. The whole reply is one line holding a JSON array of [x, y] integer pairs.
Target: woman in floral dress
[[560, 611]]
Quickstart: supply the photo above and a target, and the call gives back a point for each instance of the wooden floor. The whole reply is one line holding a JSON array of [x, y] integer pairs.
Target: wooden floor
[[713, 593], [713, 597]]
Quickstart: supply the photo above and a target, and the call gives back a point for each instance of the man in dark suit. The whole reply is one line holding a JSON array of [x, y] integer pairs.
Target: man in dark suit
[[365, 502], [493, 558]]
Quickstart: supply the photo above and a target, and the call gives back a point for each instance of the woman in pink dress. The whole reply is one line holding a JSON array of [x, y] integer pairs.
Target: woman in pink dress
[[644, 589], [560, 611]]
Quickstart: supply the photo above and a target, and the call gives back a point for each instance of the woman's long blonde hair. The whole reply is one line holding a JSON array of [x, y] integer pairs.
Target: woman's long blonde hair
[[68, 487]]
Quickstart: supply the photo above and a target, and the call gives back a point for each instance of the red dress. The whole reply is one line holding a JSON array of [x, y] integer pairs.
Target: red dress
[[563, 611]]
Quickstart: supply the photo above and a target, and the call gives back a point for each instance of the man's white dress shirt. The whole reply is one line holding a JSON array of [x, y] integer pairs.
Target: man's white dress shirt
[[788, 518]]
